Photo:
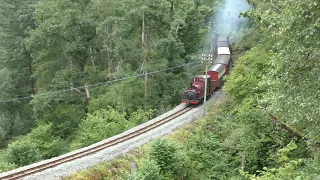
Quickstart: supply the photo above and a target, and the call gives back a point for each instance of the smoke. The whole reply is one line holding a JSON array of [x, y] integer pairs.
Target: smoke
[[227, 18], [225, 21]]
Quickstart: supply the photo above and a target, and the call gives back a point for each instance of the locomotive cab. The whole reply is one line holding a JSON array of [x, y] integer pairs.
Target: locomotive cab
[[195, 93]]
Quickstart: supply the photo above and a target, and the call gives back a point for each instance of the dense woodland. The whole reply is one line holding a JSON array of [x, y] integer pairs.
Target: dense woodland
[[53, 51], [266, 128]]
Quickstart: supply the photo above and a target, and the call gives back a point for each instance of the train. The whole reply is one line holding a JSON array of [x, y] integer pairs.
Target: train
[[194, 94]]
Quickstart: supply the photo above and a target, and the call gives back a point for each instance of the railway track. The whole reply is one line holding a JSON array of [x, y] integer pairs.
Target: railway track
[[92, 150]]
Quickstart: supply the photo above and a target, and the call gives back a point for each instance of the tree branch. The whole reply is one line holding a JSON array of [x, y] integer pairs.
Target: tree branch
[[77, 90], [286, 127], [294, 132]]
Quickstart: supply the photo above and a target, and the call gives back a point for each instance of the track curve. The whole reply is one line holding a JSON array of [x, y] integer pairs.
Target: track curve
[[94, 149]]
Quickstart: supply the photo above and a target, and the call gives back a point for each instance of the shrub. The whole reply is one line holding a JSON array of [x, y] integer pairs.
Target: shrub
[[23, 152]]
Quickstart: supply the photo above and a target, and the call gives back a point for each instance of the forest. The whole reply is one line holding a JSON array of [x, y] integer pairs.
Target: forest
[[61, 68], [74, 72]]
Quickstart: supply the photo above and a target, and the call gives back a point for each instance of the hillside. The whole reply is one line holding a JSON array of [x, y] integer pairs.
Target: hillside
[[76, 72], [267, 128]]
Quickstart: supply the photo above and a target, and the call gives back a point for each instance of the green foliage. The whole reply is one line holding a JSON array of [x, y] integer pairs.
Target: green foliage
[[61, 111], [4, 164], [246, 77], [4, 127], [13, 125], [312, 167], [38, 144], [253, 131], [48, 145], [23, 152], [124, 99], [278, 74], [172, 162], [6, 85], [288, 170], [148, 170], [15, 68], [106, 123], [294, 65], [209, 157], [163, 153], [100, 125], [58, 45], [140, 116], [268, 79]]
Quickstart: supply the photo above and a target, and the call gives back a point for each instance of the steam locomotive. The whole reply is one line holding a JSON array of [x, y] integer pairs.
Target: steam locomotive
[[194, 94]]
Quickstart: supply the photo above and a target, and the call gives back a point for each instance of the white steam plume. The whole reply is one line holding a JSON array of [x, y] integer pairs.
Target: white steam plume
[[227, 16]]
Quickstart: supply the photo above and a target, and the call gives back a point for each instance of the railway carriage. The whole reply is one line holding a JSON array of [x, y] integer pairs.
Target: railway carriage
[[216, 71], [223, 51], [223, 45], [225, 60]]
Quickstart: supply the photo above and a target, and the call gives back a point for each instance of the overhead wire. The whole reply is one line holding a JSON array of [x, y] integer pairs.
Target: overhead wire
[[98, 84]]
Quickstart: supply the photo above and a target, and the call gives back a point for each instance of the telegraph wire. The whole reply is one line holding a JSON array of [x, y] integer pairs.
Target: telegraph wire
[[98, 84]]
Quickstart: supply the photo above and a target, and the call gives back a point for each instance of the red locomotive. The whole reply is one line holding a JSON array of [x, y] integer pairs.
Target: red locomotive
[[221, 65], [195, 93]]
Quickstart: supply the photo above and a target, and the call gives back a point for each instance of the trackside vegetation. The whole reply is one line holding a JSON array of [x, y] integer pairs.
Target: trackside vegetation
[[56, 57], [268, 125]]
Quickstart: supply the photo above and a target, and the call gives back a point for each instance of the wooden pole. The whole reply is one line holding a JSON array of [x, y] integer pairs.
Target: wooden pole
[[205, 90]]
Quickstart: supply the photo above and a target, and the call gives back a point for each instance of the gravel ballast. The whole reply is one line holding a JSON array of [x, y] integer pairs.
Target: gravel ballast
[[110, 153]]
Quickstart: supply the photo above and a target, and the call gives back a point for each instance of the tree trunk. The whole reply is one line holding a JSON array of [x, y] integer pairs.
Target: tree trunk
[[32, 82], [87, 91], [69, 61], [243, 162], [91, 55], [145, 59]]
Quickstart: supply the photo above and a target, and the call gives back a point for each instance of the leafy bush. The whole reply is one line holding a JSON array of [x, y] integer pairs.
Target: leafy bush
[[288, 168], [140, 116], [23, 152], [149, 170], [48, 145], [163, 153], [40, 143], [4, 164], [105, 123], [100, 125], [171, 161]]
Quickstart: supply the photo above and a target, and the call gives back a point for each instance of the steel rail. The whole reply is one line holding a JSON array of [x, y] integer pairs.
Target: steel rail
[[92, 150]]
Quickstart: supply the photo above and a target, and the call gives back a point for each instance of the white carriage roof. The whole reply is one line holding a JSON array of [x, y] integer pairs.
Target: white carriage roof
[[216, 68], [222, 59], [223, 50]]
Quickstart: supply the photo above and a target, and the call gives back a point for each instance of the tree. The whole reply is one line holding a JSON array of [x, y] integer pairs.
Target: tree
[[148, 170], [47, 142], [98, 126], [293, 94], [17, 65], [23, 152], [64, 52], [172, 162], [287, 170]]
